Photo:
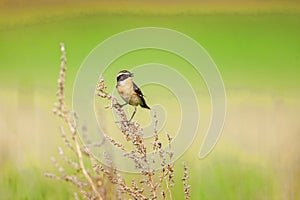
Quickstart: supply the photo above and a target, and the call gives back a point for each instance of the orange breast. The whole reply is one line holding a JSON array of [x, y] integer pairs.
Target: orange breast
[[125, 89]]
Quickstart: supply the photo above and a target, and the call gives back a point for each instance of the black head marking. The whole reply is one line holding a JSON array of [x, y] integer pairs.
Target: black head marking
[[124, 74]]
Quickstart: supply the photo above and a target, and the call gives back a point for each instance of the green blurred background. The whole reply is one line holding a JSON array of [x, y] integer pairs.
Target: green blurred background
[[255, 45]]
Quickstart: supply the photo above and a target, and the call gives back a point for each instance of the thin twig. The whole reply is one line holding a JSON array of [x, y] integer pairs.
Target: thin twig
[[87, 176]]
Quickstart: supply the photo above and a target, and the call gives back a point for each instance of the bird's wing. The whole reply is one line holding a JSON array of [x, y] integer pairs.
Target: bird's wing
[[137, 90]]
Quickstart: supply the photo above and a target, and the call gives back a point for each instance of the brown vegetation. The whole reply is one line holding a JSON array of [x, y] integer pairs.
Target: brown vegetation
[[96, 181]]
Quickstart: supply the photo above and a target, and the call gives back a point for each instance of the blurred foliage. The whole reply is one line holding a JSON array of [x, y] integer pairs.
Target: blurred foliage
[[256, 50]]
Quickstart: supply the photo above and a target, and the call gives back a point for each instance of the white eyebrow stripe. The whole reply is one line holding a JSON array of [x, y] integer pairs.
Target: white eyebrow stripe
[[123, 73]]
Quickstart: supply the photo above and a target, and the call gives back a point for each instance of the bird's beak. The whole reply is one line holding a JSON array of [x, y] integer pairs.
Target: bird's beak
[[131, 74]]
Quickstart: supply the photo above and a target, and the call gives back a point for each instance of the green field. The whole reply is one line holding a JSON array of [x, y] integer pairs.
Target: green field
[[257, 156]]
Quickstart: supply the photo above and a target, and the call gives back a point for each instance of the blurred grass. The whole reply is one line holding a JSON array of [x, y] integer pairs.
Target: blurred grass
[[29, 183], [265, 46], [20, 12], [257, 54]]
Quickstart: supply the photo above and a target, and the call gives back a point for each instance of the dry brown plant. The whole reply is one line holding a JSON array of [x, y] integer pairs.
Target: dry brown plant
[[97, 181]]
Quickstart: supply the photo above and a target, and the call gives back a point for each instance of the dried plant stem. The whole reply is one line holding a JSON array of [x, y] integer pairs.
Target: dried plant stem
[[91, 179], [85, 173], [61, 110], [152, 184], [169, 190]]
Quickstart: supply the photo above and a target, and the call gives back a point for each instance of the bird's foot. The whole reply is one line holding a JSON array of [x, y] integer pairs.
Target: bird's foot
[[123, 121], [121, 105]]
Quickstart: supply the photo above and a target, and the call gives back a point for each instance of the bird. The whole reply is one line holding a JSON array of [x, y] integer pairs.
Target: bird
[[129, 91]]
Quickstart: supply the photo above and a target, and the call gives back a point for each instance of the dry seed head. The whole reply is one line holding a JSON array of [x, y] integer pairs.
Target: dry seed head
[[185, 183], [91, 183]]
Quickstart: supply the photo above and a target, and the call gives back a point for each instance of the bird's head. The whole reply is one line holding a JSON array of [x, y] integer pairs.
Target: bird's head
[[124, 74]]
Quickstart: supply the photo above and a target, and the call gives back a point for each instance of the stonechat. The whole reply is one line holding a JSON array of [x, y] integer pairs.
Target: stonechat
[[129, 91]]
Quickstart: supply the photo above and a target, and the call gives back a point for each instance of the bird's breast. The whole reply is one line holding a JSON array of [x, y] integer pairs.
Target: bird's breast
[[125, 89]]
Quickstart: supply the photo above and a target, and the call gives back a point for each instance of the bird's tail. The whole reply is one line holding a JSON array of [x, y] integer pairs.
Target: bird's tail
[[144, 105]]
